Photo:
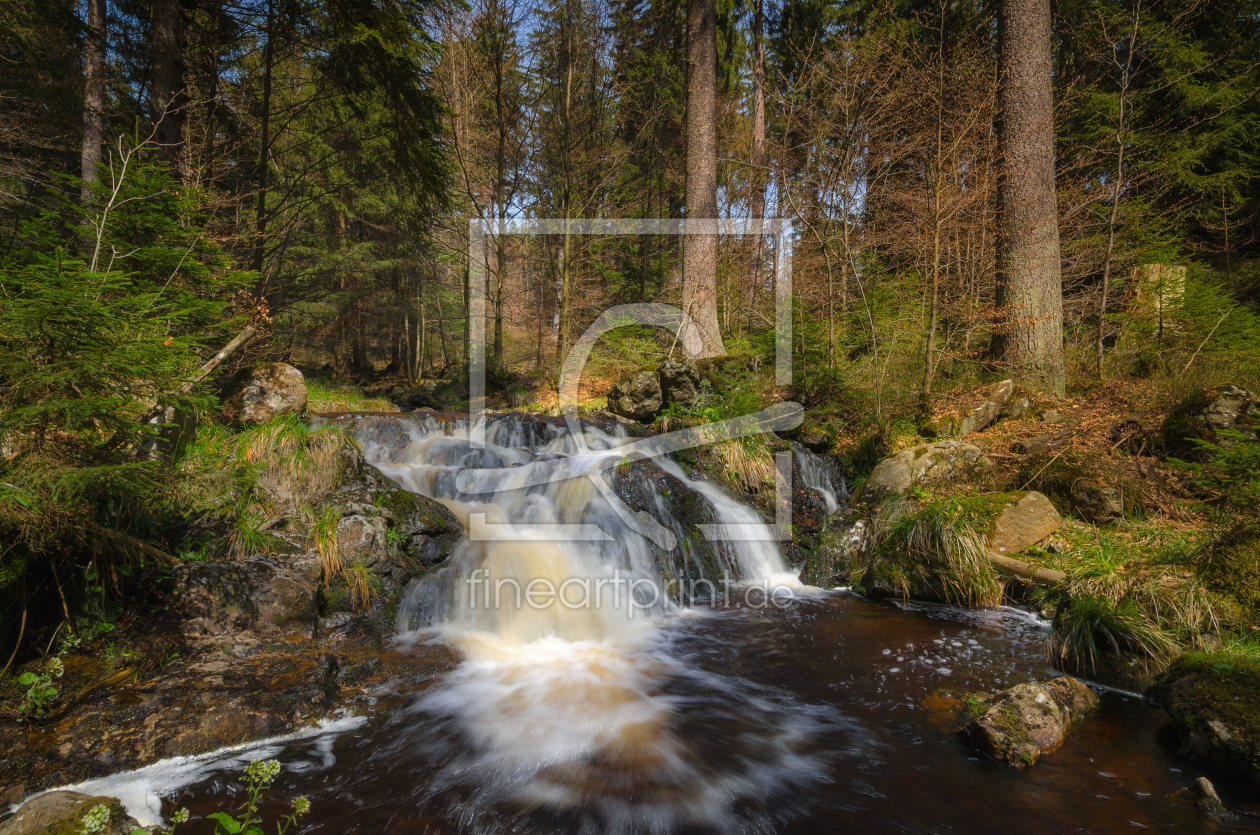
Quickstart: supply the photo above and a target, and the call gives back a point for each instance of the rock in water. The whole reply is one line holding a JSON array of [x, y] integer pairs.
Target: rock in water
[[65, 812], [988, 411], [1214, 701], [935, 463], [1020, 724], [637, 397], [265, 391]]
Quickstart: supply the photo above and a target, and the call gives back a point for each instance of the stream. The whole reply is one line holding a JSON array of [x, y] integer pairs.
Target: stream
[[767, 707]]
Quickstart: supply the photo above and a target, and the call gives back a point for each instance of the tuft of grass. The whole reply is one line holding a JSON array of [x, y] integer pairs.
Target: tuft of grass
[[249, 535], [360, 583], [323, 535], [1089, 626], [748, 461], [330, 395]]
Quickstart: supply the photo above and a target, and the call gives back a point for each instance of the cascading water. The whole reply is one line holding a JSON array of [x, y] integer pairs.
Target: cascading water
[[819, 476], [567, 699]]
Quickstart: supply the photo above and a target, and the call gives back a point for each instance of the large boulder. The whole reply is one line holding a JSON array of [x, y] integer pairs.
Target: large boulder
[[69, 813], [265, 391], [1206, 415], [1020, 724], [1214, 701], [941, 462], [1096, 501], [637, 397], [988, 411], [680, 382], [1022, 521], [259, 595]]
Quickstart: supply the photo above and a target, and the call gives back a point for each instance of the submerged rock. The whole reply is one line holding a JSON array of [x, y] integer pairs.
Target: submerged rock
[[265, 391], [637, 397], [69, 813], [1214, 701], [940, 462], [1020, 724]]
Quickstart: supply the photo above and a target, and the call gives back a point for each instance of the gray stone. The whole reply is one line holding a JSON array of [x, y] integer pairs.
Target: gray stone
[[988, 411], [1051, 416], [1024, 523], [1232, 408], [680, 382], [362, 540], [63, 811], [219, 598], [940, 462], [1020, 724], [265, 391], [1015, 408], [637, 397], [1096, 501]]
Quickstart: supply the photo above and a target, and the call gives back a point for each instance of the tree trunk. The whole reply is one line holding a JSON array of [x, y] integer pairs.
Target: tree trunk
[[93, 97], [699, 291], [758, 161], [264, 153], [168, 99], [1028, 299]]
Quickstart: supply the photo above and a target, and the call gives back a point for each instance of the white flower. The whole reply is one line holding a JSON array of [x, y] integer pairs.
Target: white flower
[[95, 820]]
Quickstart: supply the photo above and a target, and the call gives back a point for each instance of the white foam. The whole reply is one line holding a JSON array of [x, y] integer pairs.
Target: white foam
[[141, 791]]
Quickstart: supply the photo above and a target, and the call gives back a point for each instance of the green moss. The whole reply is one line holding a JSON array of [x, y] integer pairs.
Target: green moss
[[71, 823], [1232, 570], [399, 503], [1217, 687]]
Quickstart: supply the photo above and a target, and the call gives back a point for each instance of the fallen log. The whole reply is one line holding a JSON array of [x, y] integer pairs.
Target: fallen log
[[1027, 572]]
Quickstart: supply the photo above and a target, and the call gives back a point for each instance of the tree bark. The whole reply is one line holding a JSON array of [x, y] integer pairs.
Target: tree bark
[[758, 161], [258, 262], [1028, 300], [168, 99], [93, 97], [699, 291]]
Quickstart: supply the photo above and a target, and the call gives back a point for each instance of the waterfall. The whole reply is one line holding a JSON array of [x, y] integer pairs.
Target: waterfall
[[820, 477], [519, 492], [566, 700]]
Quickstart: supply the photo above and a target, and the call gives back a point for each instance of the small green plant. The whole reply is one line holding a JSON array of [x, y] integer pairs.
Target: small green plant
[[250, 535], [395, 539], [41, 692], [258, 778], [1229, 472]]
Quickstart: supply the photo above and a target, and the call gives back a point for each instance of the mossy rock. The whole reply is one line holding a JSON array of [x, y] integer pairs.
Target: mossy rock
[[1231, 569], [1090, 491], [1214, 701], [63, 813], [414, 513], [1199, 417]]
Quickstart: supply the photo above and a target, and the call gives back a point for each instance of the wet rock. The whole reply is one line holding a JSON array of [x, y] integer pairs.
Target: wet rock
[[842, 545], [1096, 501], [637, 397], [1020, 724], [1214, 701], [214, 693], [680, 382], [988, 411], [1022, 522], [265, 391], [219, 598], [362, 540], [63, 813], [427, 598], [940, 462], [1206, 415]]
